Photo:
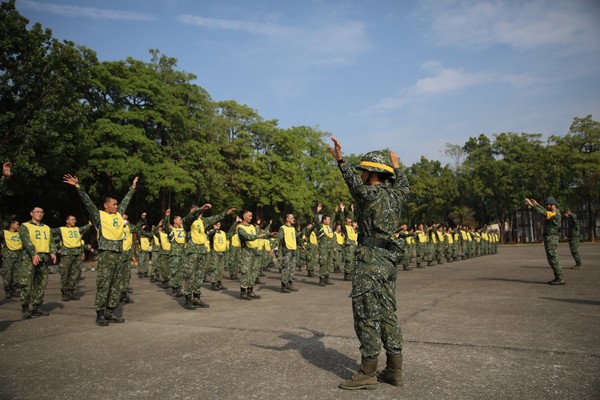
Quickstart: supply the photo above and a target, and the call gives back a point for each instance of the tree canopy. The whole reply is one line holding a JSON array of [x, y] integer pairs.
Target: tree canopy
[[64, 111]]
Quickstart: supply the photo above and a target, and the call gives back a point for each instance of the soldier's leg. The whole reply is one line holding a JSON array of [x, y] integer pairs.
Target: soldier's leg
[[39, 283], [574, 248]]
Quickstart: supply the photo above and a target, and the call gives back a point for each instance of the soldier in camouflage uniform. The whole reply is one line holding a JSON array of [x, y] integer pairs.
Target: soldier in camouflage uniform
[[71, 255], [219, 247], [422, 246], [326, 239], [109, 224], [350, 243], [250, 256], [196, 262], [551, 216], [312, 249], [290, 244], [574, 235], [11, 257], [378, 195], [38, 250]]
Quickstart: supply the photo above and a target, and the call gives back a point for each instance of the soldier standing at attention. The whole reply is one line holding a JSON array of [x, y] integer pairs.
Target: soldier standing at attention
[[350, 243], [11, 257], [109, 224], [326, 239], [39, 249], [574, 235], [551, 227], [289, 243], [378, 195], [71, 255]]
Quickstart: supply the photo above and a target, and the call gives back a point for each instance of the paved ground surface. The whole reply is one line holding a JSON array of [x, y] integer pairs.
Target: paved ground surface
[[485, 328]]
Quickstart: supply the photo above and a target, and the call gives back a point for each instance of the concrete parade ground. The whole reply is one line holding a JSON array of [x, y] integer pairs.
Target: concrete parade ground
[[484, 328]]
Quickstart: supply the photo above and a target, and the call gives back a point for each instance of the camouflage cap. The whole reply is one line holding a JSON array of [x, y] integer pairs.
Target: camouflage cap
[[550, 200], [376, 161]]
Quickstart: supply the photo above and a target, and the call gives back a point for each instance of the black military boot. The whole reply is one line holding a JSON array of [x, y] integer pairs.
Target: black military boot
[[310, 274], [65, 296], [252, 295], [291, 287], [322, 282], [220, 286], [199, 303], [327, 281], [111, 317], [189, 303], [25, 312], [214, 286], [284, 288], [244, 294], [100, 318]]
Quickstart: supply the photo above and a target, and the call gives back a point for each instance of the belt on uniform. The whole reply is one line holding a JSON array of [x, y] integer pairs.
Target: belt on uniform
[[374, 242]]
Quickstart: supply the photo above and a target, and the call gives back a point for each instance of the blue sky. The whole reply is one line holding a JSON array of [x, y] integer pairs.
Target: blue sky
[[411, 75]]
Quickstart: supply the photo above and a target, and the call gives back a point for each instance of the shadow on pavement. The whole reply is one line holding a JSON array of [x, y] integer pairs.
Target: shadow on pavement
[[574, 301], [315, 352]]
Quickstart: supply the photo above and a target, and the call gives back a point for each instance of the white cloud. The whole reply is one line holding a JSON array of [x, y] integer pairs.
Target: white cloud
[[443, 81], [519, 24], [86, 12], [333, 42]]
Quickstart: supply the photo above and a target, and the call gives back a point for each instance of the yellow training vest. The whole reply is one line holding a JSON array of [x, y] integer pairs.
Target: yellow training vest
[[12, 240], [220, 241], [70, 237], [422, 237], [313, 238], [289, 237], [197, 231], [351, 234], [235, 241], [164, 241], [145, 244], [111, 226], [127, 238], [40, 237], [251, 230], [179, 235], [340, 238]]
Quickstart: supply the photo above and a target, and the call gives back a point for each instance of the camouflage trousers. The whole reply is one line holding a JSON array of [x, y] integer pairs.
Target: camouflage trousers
[[349, 258], [422, 253], [217, 265], [34, 279], [288, 266], [163, 271], [325, 261], [249, 268], [11, 265], [374, 303], [574, 247], [70, 271], [175, 263], [233, 261], [195, 266], [312, 257], [108, 285], [551, 247], [124, 272], [338, 257], [143, 262]]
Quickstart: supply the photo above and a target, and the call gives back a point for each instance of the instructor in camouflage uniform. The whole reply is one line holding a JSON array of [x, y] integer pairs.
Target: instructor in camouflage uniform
[[551, 226], [574, 235], [378, 195]]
